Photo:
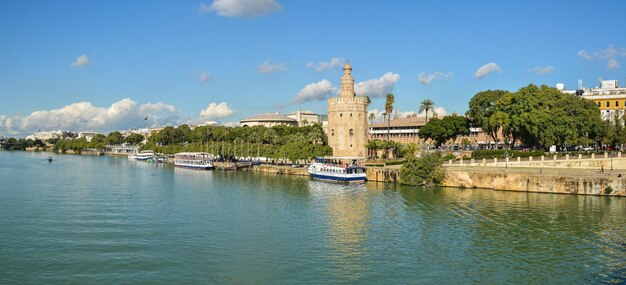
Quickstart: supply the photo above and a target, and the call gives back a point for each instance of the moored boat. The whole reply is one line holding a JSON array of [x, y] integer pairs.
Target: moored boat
[[145, 155], [193, 160], [338, 170]]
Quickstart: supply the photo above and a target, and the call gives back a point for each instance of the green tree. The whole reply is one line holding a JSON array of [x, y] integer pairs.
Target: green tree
[[372, 117], [388, 110], [426, 171], [114, 138], [447, 128], [481, 109], [425, 106], [134, 139]]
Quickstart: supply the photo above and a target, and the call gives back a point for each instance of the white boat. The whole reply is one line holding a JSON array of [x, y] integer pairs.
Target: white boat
[[133, 155], [145, 155], [193, 160], [337, 169]]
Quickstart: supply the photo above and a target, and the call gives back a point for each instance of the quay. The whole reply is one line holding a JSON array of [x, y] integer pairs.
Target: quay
[[591, 175]]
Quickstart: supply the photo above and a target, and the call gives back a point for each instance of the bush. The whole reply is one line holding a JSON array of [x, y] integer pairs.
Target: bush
[[502, 153], [394, 162], [608, 190], [427, 170], [448, 157]]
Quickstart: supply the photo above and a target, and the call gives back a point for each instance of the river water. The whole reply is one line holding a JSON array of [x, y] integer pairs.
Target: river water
[[83, 219]]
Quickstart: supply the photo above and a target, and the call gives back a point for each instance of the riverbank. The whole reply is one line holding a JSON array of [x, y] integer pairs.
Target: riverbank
[[539, 180]]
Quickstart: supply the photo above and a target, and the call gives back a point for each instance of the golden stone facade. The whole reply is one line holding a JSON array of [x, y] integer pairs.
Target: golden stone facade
[[347, 119]]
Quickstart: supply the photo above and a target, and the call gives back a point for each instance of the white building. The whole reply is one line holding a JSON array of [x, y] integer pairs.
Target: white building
[[46, 135], [268, 120], [87, 135], [305, 118]]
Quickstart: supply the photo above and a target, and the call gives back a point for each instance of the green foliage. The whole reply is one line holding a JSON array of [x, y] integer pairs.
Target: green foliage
[[448, 157], [395, 162], [426, 106], [537, 116], [502, 153], [608, 190], [134, 139], [294, 143], [482, 107], [427, 170], [114, 138], [447, 128]]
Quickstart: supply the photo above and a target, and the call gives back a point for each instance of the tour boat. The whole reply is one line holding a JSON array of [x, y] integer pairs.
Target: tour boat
[[193, 160], [334, 169], [144, 155]]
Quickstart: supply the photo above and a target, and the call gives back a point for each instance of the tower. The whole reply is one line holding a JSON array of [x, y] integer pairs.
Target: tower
[[347, 119]]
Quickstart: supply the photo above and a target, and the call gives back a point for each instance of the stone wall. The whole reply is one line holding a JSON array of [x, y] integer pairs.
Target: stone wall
[[537, 180]]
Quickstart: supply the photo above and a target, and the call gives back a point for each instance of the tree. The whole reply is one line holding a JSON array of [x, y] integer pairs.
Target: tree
[[426, 171], [114, 138], [425, 106], [372, 117], [482, 107], [388, 110], [134, 139], [447, 128]]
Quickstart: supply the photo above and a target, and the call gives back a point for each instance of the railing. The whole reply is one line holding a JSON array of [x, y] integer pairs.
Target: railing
[[535, 161]]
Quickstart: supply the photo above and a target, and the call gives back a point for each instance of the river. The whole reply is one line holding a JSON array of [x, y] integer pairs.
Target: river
[[103, 220]]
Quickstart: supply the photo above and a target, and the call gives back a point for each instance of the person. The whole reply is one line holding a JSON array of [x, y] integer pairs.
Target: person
[[602, 168]]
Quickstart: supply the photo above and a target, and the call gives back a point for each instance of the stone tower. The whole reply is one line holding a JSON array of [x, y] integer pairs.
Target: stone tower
[[347, 119]]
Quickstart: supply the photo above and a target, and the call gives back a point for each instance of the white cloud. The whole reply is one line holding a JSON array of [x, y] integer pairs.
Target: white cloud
[[429, 78], [217, 111], [240, 8], [585, 55], [375, 88], [268, 67], [324, 65], [317, 91], [610, 54], [487, 69], [81, 61], [612, 64], [205, 76], [123, 114], [538, 70]]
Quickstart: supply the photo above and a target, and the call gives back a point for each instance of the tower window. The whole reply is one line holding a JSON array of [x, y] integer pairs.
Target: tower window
[[332, 132], [608, 104], [351, 132], [350, 114], [341, 115], [616, 103]]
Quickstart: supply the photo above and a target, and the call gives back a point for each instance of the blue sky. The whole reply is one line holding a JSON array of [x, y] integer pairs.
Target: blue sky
[[109, 64]]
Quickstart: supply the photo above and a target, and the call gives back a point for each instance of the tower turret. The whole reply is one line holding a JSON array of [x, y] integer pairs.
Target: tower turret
[[347, 82]]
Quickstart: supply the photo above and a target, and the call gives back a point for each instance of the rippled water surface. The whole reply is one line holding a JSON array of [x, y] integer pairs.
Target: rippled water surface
[[108, 220]]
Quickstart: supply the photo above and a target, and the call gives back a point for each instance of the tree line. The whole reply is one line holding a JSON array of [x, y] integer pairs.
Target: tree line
[[541, 116]]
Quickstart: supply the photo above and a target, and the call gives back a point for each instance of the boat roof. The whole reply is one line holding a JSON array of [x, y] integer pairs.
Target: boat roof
[[192, 153]]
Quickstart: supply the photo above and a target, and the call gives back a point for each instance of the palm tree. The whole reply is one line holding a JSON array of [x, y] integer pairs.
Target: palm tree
[[389, 109], [372, 117], [425, 106]]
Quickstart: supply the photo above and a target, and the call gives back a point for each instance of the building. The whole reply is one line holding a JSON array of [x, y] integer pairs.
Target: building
[[403, 130], [305, 118], [347, 119], [46, 135], [87, 135], [268, 120], [406, 130], [610, 98]]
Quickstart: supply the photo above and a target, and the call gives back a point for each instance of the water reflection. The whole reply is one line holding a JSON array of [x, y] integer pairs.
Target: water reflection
[[348, 218]]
